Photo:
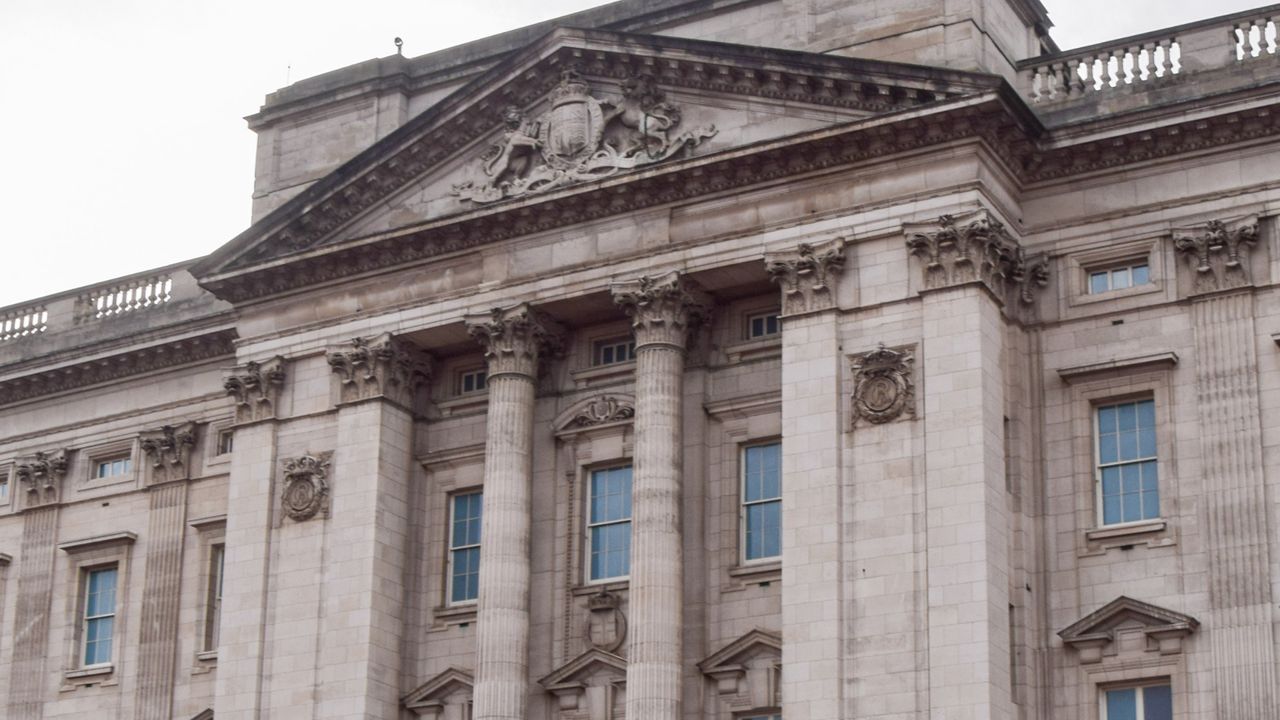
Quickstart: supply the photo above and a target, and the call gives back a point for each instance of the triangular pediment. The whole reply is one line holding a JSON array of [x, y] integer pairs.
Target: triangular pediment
[[579, 111], [435, 692], [742, 651], [1125, 611], [580, 670]]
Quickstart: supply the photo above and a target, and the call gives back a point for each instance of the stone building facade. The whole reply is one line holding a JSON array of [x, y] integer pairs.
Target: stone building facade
[[685, 359]]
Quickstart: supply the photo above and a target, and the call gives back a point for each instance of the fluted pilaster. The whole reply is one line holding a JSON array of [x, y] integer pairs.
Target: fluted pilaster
[[27, 677], [662, 311], [515, 339], [158, 641]]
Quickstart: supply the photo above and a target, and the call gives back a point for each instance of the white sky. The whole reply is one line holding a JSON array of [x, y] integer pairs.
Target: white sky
[[122, 143]]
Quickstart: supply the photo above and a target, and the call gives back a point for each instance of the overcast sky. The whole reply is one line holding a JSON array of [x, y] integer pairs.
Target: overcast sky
[[122, 143]]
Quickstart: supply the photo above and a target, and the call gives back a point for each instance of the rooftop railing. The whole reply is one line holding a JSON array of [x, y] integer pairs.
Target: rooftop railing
[[106, 304], [1157, 57]]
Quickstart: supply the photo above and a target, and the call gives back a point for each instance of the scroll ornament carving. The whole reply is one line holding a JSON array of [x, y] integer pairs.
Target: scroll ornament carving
[[663, 309], [514, 338], [256, 388], [41, 476], [306, 486], [807, 276], [169, 450], [381, 366], [883, 388], [1219, 253], [580, 138], [606, 624], [978, 248], [604, 409]]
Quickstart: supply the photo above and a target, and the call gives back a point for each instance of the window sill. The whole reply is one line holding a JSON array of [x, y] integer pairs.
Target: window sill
[[207, 655], [756, 573], [101, 675], [469, 404], [90, 671], [612, 585], [757, 349], [1124, 529], [591, 375], [454, 615]]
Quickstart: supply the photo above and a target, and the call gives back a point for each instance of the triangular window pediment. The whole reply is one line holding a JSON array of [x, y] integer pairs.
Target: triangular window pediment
[[747, 671], [590, 686], [1125, 623], [446, 696]]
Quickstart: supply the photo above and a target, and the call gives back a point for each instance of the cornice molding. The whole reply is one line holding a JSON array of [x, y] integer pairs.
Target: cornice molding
[[218, 343]]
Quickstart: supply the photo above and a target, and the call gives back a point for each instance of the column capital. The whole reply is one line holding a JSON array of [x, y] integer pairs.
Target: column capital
[[808, 275], [977, 248], [41, 476], [256, 387], [515, 338], [662, 308], [379, 366], [169, 450], [1219, 252]]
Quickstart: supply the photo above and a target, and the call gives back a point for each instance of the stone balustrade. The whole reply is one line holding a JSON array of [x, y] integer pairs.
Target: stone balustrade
[[142, 292], [23, 321], [1156, 57]]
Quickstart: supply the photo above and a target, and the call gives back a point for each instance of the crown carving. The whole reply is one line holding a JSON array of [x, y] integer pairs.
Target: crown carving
[[808, 275], [41, 476], [256, 388], [306, 486], [883, 388]]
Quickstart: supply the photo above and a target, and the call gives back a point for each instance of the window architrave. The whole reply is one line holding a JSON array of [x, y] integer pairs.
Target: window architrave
[[85, 556], [211, 533]]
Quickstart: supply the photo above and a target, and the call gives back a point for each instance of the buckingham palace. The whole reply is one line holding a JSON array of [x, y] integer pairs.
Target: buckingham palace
[[685, 360]]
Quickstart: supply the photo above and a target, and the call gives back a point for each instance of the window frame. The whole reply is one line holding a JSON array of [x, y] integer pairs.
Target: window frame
[[84, 621], [6, 480], [1140, 705], [1099, 466], [451, 549], [743, 503], [98, 463], [215, 577], [626, 342], [588, 544], [480, 373], [1110, 270], [751, 317]]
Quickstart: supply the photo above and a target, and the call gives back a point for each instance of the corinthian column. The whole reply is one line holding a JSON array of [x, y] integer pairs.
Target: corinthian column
[[662, 309], [514, 340]]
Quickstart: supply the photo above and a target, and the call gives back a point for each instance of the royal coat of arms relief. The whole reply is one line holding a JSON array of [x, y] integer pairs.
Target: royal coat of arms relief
[[580, 138]]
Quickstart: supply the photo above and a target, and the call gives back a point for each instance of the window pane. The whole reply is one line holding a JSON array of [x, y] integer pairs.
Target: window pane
[[1131, 478], [1120, 278], [466, 573], [1150, 479], [1097, 283], [1122, 704], [101, 598], [1111, 509], [1150, 504], [97, 646], [1110, 481], [1141, 275], [1157, 703]]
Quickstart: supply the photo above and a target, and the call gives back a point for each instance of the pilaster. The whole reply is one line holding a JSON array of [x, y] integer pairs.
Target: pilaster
[[971, 270], [813, 567], [1240, 625], [161, 601], [362, 497], [662, 310], [515, 340]]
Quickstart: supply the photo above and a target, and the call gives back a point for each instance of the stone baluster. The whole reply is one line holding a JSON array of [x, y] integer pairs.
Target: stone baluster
[[515, 340], [662, 310]]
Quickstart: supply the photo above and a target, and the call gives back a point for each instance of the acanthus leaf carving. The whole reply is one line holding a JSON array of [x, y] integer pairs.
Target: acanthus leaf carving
[[663, 308], [41, 476], [256, 388], [515, 338], [380, 366], [1218, 252], [169, 450], [883, 386], [975, 247], [306, 486], [604, 409], [580, 138], [808, 275]]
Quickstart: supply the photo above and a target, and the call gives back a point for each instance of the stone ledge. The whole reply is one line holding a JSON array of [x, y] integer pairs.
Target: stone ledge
[[98, 542], [1140, 362]]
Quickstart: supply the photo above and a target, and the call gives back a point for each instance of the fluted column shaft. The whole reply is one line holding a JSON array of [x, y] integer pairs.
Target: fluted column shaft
[[513, 341], [661, 309]]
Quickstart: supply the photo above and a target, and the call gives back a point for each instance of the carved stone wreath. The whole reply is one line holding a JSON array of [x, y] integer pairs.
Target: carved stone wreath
[[883, 388], [306, 487]]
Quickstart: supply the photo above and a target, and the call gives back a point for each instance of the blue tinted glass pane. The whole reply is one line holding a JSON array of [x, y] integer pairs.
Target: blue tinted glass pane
[[1127, 417], [101, 599], [752, 472], [754, 539], [1107, 419], [466, 566], [1122, 704], [772, 471], [1111, 509], [1157, 703], [1128, 445], [1150, 504], [1141, 275], [1131, 478], [1097, 282], [1146, 413], [1110, 481], [1150, 476], [1132, 505], [1107, 448], [1120, 278], [1147, 442], [771, 530], [97, 646]]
